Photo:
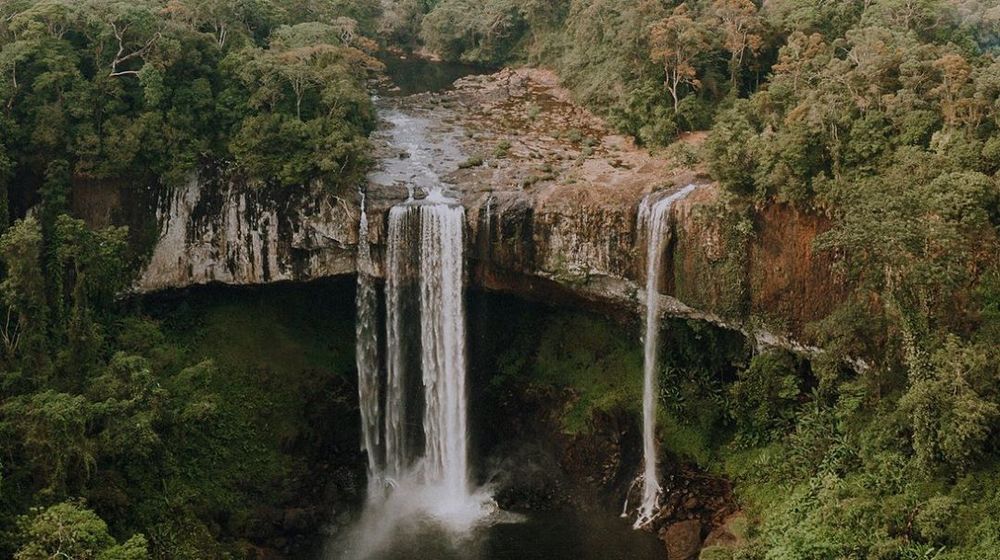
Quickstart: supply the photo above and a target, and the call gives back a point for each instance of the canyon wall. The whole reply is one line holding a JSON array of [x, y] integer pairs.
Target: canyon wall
[[550, 245], [551, 196]]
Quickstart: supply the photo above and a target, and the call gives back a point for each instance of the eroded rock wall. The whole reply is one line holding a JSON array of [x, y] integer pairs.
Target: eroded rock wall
[[552, 197], [553, 244], [212, 230]]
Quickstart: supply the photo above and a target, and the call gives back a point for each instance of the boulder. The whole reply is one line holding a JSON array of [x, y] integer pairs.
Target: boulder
[[683, 539]]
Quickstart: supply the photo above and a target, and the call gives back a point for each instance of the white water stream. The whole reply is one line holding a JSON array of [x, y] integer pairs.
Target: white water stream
[[654, 220], [367, 355]]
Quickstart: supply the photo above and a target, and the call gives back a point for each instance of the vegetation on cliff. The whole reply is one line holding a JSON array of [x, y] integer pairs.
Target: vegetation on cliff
[[128, 434], [199, 425]]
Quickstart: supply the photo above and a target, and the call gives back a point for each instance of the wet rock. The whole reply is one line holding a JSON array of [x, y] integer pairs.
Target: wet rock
[[254, 552], [683, 540], [559, 213]]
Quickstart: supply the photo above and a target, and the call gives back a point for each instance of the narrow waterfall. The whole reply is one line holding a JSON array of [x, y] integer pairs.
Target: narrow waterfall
[[367, 354], [654, 220]]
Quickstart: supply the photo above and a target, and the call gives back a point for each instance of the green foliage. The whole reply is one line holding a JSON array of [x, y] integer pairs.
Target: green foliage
[[731, 148], [153, 88], [164, 432], [763, 397], [70, 530], [478, 32], [949, 406], [582, 355], [934, 516]]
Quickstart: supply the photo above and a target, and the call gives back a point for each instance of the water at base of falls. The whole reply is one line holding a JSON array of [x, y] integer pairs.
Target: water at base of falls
[[422, 478], [556, 535], [654, 220]]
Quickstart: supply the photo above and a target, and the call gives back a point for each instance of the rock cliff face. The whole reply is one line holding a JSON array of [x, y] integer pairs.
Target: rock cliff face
[[551, 197], [215, 231]]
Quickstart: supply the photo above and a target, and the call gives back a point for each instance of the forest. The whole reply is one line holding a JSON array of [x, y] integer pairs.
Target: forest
[[122, 434]]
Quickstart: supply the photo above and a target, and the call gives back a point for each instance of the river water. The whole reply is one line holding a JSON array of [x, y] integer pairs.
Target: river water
[[539, 536]]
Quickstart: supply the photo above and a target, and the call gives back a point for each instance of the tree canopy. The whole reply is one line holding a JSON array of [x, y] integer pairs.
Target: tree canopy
[[157, 88]]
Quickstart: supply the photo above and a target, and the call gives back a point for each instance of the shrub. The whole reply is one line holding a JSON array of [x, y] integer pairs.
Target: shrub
[[762, 398]]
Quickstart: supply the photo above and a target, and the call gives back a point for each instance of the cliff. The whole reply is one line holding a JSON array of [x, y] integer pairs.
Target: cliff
[[216, 230], [552, 198]]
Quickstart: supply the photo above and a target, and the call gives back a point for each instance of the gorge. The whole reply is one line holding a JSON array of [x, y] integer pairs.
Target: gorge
[[558, 238], [499, 280]]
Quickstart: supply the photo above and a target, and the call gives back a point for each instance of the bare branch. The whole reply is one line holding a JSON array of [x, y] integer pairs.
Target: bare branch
[[121, 57]]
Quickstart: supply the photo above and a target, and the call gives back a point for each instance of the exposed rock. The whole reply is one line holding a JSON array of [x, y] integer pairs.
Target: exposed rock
[[213, 229], [790, 282], [235, 234], [731, 534], [683, 540]]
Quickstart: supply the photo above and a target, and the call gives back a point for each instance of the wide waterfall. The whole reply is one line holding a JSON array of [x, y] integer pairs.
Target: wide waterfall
[[424, 477], [654, 220]]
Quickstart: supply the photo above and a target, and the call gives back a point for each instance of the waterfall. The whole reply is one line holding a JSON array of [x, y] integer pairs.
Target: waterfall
[[367, 353], [425, 262], [654, 220], [395, 392], [442, 336], [425, 407]]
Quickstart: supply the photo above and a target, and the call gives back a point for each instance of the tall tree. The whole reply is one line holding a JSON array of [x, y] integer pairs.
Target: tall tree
[[677, 42], [743, 28]]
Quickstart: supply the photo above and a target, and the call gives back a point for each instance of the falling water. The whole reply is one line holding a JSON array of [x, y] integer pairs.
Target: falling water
[[442, 312], [395, 391], [654, 220], [425, 471], [367, 353]]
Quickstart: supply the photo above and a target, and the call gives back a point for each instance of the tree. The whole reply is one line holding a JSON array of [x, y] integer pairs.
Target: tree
[[923, 16], [225, 20], [951, 420], [313, 111], [53, 439], [123, 32], [829, 19], [743, 28], [800, 63], [70, 530], [677, 42], [485, 32], [763, 397], [955, 92], [732, 148], [23, 293]]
